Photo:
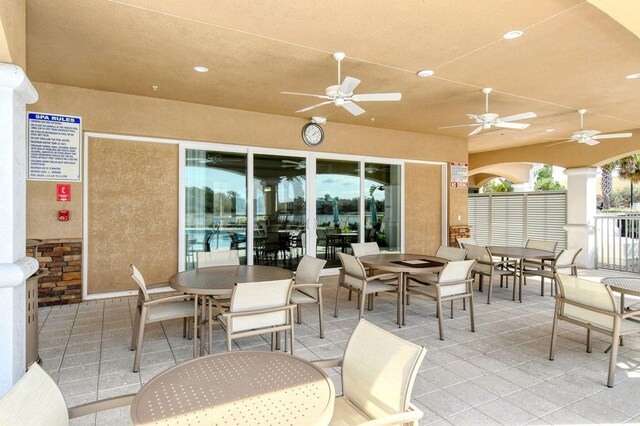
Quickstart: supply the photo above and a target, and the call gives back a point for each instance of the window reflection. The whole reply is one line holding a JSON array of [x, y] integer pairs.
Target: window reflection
[[382, 205], [215, 203]]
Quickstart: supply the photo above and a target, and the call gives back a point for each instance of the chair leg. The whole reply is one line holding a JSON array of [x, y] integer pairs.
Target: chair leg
[[451, 308], [320, 316], [615, 342], [473, 321], [136, 329], [195, 326], [554, 330], [136, 359], [440, 319], [541, 285], [490, 288], [210, 323], [362, 299], [299, 312], [350, 294], [229, 341], [184, 327], [335, 313], [273, 342], [291, 335], [589, 340]]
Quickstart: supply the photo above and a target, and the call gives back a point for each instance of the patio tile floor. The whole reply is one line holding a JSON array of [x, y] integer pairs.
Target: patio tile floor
[[498, 375]]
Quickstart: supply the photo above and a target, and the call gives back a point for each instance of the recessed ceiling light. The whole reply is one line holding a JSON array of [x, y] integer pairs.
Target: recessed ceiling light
[[425, 73], [632, 76], [512, 34], [200, 68], [550, 130]]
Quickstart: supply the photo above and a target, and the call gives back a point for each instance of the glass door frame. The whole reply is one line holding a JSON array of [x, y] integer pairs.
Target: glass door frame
[[311, 220]]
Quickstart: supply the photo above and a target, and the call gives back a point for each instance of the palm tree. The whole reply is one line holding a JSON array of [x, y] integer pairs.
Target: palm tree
[[606, 183], [629, 169]]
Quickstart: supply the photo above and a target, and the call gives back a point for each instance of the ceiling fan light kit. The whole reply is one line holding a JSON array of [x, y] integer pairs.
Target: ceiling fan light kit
[[588, 137], [487, 120], [341, 94]]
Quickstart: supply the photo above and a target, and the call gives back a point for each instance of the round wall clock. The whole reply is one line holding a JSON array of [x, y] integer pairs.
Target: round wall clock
[[312, 134]]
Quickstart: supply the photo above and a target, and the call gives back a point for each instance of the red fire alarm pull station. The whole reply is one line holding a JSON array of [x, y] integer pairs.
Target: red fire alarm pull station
[[63, 215], [63, 192]]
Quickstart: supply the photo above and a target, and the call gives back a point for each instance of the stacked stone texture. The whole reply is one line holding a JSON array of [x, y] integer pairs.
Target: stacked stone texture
[[458, 231], [61, 280]]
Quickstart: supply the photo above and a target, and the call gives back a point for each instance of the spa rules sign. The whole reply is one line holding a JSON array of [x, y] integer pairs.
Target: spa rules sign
[[54, 147]]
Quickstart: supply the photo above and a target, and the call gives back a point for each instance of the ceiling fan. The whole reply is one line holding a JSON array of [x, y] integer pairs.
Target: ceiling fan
[[297, 165], [589, 137], [342, 95], [489, 119]]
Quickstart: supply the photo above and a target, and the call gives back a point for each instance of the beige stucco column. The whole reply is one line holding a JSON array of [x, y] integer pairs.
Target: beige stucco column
[[15, 92], [581, 208]]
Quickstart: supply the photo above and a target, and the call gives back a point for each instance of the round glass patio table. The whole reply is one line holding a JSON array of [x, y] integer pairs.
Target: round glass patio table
[[237, 388], [393, 262], [521, 253]]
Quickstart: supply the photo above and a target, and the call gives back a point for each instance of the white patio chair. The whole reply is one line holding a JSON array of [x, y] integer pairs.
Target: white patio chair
[[354, 277], [564, 263], [462, 241], [452, 254], [592, 305], [453, 282], [35, 400], [207, 259], [378, 374], [365, 249], [260, 308], [149, 311], [539, 245], [307, 287], [487, 266]]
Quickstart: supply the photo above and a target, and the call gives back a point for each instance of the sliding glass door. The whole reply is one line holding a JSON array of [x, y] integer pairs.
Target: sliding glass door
[[299, 204], [215, 203], [337, 208], [279, 214]]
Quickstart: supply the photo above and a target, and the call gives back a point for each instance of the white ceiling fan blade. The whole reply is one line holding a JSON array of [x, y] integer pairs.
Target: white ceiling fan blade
[[612, 136], [558, 143], [460, 125], [293, 161], [371, 97], [314, 106], [517, 117], [476, 131], [560, 139], [590, 133], [590, 142], [353, 108], [307, 94], [500, 123], [476, 117], [348, 85]]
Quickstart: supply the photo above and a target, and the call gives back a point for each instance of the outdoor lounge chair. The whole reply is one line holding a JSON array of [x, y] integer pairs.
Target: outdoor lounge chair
[[307, 287], [35, 400], [378, 373], [593, 306], [453, 282]]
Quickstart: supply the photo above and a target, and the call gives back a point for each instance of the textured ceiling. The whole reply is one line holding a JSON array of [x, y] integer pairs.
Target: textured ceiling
[[571, 56]]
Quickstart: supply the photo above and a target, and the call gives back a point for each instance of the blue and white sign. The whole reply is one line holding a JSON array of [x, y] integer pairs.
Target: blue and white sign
[[54, 147]]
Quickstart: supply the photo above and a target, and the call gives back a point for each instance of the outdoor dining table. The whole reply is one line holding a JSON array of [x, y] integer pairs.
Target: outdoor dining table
[[519, 254], [219, 281], [403, 264], [622, 286], [237, 388]]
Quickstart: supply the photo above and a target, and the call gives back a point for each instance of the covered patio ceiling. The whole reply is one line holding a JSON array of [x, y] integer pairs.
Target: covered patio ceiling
[[572, 55]]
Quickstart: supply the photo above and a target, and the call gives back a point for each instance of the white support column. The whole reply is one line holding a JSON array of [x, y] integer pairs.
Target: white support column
[[15, 92], [581, 208]]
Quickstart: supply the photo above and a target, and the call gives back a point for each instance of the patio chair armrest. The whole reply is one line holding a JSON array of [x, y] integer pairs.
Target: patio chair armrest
[[168, 299], [385, 277], [410, 416], [259, 311], [454, 282], [327, 363], [101, 405], [157, 285], [316, 285]]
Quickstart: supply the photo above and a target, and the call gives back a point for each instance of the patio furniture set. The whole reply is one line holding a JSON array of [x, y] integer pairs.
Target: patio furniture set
[[244, 387]]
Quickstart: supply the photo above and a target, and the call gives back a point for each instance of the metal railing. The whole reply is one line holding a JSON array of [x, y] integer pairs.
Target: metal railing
[[617, 241]]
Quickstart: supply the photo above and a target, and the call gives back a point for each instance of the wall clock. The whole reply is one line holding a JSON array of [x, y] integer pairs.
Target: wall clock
[[312, 134]]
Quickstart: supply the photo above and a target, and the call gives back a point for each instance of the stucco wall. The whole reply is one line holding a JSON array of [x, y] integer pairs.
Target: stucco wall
[[116, 113]]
